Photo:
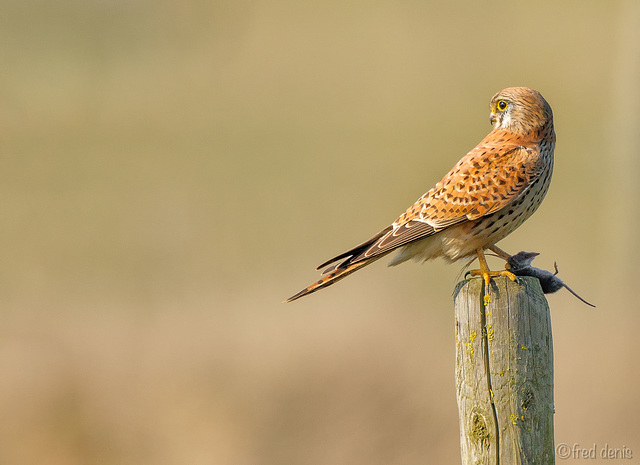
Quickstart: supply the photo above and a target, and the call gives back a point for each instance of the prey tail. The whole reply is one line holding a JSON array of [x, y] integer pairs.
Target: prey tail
[[580, 298], [332, 275]]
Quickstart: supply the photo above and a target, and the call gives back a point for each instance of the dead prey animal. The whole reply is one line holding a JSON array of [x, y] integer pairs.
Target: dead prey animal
[[520, 265]]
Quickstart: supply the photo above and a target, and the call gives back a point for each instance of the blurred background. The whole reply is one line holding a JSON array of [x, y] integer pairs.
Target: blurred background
[[170, 172]]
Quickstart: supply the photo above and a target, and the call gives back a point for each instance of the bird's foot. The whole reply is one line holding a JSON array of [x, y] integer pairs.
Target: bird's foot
[[487, 275]]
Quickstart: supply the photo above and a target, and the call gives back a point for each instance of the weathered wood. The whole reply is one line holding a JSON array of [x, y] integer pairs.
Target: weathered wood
[[504, 372]]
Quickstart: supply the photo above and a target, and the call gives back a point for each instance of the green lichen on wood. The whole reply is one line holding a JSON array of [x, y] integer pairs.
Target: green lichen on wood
[[509, 377]]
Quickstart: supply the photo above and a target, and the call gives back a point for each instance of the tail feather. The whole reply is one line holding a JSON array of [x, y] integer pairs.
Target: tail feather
[[356, 251], [335, 274], [343, 265]]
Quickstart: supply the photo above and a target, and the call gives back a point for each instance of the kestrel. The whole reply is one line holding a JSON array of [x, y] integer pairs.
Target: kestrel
[[491, 191]]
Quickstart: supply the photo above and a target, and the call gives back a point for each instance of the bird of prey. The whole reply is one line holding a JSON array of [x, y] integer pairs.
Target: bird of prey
[[491, 191]]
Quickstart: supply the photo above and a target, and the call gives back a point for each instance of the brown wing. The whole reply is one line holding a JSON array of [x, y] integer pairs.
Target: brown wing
[[490, 179], [487, 179]]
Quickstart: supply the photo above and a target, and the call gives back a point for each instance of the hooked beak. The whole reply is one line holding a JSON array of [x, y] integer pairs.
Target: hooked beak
[[493, 118]]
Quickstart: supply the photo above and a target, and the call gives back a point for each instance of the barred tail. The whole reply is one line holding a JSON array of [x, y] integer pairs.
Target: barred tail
[[335, 274], [346, 263]]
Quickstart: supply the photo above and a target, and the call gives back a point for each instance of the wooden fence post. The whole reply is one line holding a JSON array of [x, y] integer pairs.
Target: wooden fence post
[[504, 372]]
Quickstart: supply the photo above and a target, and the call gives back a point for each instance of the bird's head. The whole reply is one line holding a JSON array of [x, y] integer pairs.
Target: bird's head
[[520, 110]]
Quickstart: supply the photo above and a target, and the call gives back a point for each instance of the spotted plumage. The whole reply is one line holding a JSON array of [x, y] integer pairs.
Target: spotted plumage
[[491, 191]]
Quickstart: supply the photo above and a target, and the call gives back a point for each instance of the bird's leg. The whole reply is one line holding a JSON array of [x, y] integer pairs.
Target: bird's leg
[[502, 254], [484, 269], [499, 252]]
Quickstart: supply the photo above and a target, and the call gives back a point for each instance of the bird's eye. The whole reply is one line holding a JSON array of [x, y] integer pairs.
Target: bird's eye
[[502, 105]]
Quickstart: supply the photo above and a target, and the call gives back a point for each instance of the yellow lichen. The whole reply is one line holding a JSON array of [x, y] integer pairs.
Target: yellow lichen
[[469, 348], [514, 419], [523, 347], [473, 335], [487, 299]]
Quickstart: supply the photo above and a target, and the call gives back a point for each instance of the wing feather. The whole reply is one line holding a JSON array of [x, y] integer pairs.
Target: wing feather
[[487, 179], [357, 250], [491, 177]]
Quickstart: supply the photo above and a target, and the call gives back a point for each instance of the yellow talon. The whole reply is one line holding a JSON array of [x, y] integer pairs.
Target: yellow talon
[[488, 274]]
